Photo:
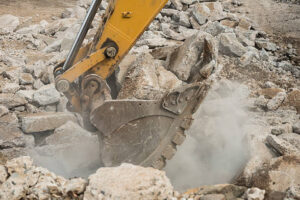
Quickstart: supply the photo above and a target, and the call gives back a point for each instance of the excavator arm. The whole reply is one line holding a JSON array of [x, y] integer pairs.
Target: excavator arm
[[122, 25], [143, 132]]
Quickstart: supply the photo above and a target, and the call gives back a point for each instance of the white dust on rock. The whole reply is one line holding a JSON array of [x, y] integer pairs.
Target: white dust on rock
[[70, 151], [216, 148]]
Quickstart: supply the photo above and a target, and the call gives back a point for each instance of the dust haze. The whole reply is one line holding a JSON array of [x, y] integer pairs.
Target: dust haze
[[215, 149], [69, 160]]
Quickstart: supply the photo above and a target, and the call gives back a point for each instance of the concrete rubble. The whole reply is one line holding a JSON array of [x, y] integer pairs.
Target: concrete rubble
[[188, 41]]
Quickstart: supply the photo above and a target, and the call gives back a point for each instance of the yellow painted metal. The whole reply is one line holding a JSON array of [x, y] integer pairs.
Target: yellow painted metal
[[128, 21], [83, 66]]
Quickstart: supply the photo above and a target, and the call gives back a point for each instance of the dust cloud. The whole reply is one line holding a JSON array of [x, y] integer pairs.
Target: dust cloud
[[216, 147], [69, 160]]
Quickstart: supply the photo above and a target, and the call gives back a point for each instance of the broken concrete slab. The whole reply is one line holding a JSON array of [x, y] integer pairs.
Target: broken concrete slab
[[8, 23], [276, 101], [69, 132], [40, 122], [277, 176], [228, 190], [12, 100], [294, 99], [254, 194], [46, 95], [129, 182], [184, 58], [281, 146], [230, 46], [292, 138], [3, 110], [296, 127], [26, 79], [27, 94], [10, 134], [10, 87], [265, 44]]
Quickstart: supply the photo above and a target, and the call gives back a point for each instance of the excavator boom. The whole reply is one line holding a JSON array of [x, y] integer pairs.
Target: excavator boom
[[143, 132]]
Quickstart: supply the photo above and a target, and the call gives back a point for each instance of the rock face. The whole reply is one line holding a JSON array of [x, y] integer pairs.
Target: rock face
[[281, 146], [275, 102], [207, 192], [10, 100], [128, 182], [39, 122], [185, 58], [21, 180], [147, 79], [74, 150], [46, 95], [230, 46], [255, 194], [8, 23], [279, 175]]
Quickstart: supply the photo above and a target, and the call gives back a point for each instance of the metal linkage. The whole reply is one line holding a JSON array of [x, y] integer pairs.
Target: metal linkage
[[81, 34]]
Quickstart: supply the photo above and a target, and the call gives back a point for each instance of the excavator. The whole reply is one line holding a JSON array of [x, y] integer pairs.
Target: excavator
[[141, 132]]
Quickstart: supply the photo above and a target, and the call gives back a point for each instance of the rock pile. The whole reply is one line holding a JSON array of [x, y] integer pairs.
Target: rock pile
[[20, 179]]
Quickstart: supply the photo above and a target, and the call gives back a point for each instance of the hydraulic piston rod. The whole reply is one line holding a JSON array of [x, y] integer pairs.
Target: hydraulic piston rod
[[81, 34]]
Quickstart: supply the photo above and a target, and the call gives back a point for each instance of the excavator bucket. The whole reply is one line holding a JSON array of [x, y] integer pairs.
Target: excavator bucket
[[146, 132]]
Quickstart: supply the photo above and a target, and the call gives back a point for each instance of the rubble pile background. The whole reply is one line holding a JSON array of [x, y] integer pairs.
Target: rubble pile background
[[170, 53]]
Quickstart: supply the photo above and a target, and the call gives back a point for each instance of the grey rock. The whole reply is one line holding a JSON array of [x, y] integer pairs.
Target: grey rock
[[27, 94], [213, 197], [184, 19], [276, 101], [10, 134], [277, 131], [169, 12], [3, 110], [166, 29], [264, 55], [255, 194], [296, 127], [8, 23], [247, 58], [215, 28], [264, 44], [10, 100], [54, 47], [125, 182], [278, 175], [292, 138], [186, 32], [230, 46], [201, 19], [10, 87], [46, 95], [12, 73], [184, 58], [40, 122], [50, 108], [177, 3], [60, 25], [38, 84], [154, 39], [70, 132], [26, 78], [293, 192], [281, 146], [270, 84]]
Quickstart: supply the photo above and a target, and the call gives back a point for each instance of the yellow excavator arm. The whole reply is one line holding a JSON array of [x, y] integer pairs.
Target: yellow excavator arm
[[143, 132], [122, 25]]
